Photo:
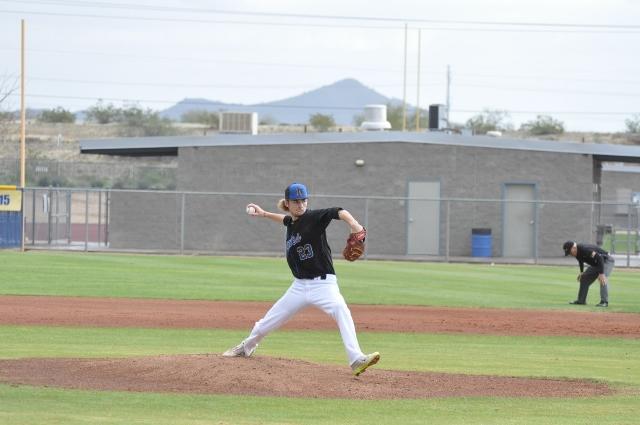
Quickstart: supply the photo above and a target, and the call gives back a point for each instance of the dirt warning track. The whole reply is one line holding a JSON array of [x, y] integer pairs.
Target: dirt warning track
[[153, 313]]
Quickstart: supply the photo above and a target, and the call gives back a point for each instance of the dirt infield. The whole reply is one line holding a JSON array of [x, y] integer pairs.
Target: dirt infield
[[266, 376], [148, 313], [275, 377]]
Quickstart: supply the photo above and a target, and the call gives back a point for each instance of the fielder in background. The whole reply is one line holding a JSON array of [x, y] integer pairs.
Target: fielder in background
[[314, 284], [600, 267]]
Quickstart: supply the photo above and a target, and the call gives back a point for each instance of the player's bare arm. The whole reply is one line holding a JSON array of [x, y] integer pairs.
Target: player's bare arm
[[256, 211], [352, 222]]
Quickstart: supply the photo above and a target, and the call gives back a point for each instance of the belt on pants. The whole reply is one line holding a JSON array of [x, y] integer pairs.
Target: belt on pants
[[324, 277], [328, 277]]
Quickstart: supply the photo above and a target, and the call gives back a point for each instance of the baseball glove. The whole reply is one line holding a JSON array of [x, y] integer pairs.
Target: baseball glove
[[355, 245]]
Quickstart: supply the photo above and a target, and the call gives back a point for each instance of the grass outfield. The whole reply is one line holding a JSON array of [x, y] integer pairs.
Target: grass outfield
[[266, 279], [615, 361]]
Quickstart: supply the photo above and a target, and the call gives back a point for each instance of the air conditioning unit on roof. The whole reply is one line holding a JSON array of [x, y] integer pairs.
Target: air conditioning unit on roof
[[239, 122]]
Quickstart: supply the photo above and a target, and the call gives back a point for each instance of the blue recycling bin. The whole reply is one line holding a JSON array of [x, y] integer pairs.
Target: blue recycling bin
[[481, 243]]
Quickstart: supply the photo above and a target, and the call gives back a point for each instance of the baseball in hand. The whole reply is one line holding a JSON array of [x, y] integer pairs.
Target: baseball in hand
[[251, 210]]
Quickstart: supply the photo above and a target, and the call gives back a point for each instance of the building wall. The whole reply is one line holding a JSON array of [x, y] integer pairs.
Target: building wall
[[220, 224], [145, 220]]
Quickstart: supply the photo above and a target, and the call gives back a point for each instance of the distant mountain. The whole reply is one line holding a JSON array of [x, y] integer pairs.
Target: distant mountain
[[342, 99], [176, 111]]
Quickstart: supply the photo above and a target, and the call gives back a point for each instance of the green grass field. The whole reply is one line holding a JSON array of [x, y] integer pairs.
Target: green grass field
[[615, 361]]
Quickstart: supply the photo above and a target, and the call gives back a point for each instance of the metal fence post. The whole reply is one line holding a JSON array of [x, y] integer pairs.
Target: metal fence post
[[629, 235], [86, 220], [591, 227], [448, 229], [49, 218], [99, 216], [33, 217], [106, 217], [182, 224], [366, 225], [69, 218], [536, 231]]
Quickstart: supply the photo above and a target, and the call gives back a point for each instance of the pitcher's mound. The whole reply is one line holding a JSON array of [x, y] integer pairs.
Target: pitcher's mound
[[268, 376]]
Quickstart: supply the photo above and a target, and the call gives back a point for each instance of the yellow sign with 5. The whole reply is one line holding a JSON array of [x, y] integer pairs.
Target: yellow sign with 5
[[10, 199]]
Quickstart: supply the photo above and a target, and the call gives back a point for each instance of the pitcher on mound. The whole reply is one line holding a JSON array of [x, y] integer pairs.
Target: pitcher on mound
[[315, 282]]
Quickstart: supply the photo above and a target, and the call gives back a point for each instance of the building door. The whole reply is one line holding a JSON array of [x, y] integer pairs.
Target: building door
[[423, 218], [519, 216]]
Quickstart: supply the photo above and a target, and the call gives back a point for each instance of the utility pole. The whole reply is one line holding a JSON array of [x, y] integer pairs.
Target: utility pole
[[23, 115], [418, 94], [448, 95], [404, 85]]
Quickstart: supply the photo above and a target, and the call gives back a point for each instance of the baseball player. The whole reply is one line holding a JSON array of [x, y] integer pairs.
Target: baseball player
[[600, 267], [309, 258]]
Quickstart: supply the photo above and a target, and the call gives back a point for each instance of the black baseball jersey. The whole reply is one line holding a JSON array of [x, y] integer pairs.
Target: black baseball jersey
[[592, 255], [307, 250]]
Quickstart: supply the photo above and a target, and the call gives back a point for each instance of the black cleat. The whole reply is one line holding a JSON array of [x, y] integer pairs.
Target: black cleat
[[603, 304], [576, 302]]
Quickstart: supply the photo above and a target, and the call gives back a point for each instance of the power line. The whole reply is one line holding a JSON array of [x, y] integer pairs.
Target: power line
[[539, 77], [288, 106], [214, 86], [193, 20], [319, 66], [539, 90], [197, 102], [517, 112], [306, 86], [107, 5], [601, 29], [205, 60]]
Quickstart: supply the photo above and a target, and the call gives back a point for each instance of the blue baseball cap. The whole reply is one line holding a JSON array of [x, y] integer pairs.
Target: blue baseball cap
[[296, 191]]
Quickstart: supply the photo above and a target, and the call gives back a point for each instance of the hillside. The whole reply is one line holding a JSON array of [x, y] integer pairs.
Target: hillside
[[342, 99], [60, 141], [53, 155]]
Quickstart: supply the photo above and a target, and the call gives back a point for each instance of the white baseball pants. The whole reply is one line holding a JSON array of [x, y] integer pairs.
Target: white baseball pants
[[323, 294]]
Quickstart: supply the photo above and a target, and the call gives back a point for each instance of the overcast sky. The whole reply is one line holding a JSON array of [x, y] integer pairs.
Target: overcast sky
[[576, 60]]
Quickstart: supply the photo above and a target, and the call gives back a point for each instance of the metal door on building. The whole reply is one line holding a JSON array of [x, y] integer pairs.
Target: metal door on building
[[423, 217], [519, 220]]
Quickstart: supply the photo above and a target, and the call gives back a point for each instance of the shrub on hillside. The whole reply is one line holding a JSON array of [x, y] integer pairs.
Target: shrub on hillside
[[138, 122], [207, 118], [54, 181], [103, 114], [633, 124], [489, 120], [322, 122], [543, 125], [57, 115]]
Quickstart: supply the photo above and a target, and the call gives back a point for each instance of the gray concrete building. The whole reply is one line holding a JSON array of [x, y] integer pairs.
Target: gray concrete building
[[417, 193]]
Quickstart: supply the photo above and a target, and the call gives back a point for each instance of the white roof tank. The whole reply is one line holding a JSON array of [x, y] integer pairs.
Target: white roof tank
[[375, 118]]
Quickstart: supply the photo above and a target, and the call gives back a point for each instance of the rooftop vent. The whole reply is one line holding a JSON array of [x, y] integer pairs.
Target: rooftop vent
[[375, 118], [239, 122]]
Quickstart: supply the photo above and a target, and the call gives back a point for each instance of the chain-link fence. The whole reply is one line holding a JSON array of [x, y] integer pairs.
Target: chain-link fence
[[444, 229], [122, 175]]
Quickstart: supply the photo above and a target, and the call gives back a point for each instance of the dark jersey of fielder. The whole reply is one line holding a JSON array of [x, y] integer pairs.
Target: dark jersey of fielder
[[592, 255], [308, 253]]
